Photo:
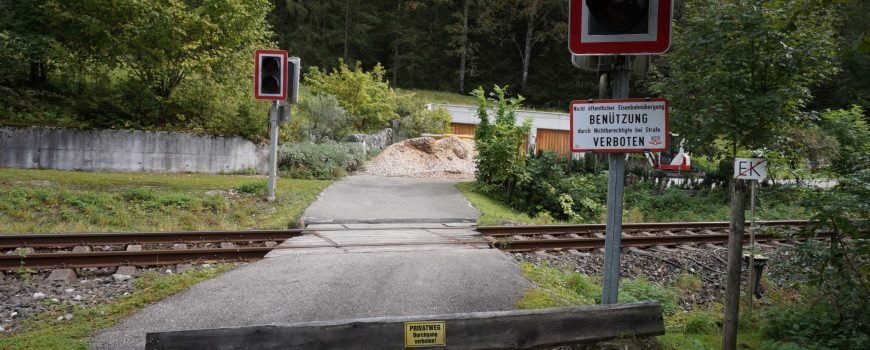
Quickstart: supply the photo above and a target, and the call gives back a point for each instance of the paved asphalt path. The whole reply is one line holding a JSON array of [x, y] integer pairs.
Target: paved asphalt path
[[345, 284], [374, 199]]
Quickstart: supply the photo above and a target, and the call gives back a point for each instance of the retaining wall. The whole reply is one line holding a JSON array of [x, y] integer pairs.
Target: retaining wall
[[122, 150]]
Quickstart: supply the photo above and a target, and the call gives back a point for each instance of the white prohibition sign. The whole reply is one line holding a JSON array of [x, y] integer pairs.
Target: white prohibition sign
[[629, 125], [750, 168]]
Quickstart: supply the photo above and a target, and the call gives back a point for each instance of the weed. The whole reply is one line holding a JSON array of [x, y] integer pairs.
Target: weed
[[253, 188], [687, 282]]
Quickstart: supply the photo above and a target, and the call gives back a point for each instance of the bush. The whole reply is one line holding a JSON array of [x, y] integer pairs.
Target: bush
[[831, 311], [643, 290], [435, 121], [551, 190], [324, 161], [501, 161], [366, 96], [319, 118]]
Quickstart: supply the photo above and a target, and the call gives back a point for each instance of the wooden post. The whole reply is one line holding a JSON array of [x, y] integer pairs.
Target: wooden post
[[520, 329], [735, 255]]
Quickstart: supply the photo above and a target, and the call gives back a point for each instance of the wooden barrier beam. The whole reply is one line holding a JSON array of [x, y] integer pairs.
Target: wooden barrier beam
[[521, 329]]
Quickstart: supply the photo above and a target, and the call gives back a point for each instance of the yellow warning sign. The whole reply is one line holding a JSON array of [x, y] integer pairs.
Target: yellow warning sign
[[425, 334]]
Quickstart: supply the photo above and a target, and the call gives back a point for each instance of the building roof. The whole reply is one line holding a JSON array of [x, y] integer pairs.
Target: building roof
[[540, 120]]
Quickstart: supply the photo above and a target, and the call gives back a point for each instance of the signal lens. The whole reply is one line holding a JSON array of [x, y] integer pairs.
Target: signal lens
[[618, 16]]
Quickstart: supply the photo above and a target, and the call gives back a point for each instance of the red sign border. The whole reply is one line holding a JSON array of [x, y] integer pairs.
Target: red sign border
[[625, 150], [662, 43], [257, 95]]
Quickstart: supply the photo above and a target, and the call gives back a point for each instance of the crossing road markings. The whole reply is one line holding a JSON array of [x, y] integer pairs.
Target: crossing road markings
[[425, 334]]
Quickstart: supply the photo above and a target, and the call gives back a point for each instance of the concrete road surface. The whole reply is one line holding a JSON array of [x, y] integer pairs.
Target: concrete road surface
[[343, 283], [374, 199]]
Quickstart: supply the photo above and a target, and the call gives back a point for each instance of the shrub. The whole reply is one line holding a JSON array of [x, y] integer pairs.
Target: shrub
[[327, 160], [831, 311], [366, 96], [702, 322], [501, 160], [550, 189], [319, 117], [642, 290], [422, 120]]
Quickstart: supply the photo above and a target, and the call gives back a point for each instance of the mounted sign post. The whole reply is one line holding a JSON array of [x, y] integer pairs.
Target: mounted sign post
[[752, 169], [275, 78], [621, 28]]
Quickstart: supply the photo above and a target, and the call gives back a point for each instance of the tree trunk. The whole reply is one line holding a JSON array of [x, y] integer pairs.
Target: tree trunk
[[346, 30], [463, 53], [396, 43], [735, 256], [527, 53]]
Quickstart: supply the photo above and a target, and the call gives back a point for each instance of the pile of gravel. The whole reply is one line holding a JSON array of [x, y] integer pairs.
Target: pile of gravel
[[449, 157]]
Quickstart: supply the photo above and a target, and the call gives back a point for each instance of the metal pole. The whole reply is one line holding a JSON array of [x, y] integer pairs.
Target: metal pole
[[273, 151], [751, 266], [615, 189]]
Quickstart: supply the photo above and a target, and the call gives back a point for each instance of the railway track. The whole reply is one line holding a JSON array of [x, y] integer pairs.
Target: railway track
[[559, 237], [537, 230], [39, 251]]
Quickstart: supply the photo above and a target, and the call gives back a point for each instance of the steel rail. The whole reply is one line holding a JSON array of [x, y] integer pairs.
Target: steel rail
[[120, 258], [62, 240], [533, 230], [125, 238], [627, 241]]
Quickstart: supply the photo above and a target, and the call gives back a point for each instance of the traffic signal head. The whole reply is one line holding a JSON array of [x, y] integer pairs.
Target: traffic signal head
[[270, 76], [270, 79], [614, 27], [294, 65]]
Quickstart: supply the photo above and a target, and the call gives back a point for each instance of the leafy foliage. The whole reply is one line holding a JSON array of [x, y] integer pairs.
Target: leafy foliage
[[164, 65], [831, 312], [741, 71], [327, 160], [852, 133], [366, 96], [319, 118], [501, 160]]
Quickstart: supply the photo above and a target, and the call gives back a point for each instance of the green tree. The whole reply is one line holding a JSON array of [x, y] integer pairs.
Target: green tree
[[501, 159], [163, 43], [740, 72]]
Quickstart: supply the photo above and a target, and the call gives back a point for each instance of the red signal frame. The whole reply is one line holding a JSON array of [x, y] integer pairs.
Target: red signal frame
[[257, 94], [661, 43]]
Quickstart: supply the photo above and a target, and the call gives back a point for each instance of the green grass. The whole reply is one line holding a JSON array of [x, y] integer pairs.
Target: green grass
[[45, 332], [431, 96], [44, 201], [493, 212], [686, 330]]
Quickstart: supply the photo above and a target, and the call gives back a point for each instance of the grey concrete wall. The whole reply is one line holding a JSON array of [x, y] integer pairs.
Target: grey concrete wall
[[379, 140], [121, 150]]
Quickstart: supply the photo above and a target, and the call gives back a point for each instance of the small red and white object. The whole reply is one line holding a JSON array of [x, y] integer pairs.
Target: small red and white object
[[613, 27], [750, 168], [630, 125], [270, 78]]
